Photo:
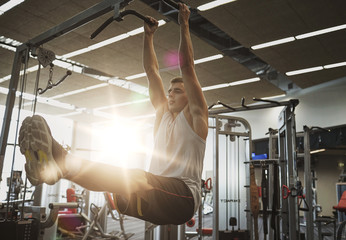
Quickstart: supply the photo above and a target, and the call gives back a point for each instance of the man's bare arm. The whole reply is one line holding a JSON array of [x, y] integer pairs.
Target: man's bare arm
[[151, 66], [197, 104]]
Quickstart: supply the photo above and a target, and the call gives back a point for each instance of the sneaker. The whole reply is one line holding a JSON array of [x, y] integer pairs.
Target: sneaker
[[35, 141]]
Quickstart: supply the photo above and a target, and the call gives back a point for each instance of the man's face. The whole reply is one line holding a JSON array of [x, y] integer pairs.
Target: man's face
[[177, 98]]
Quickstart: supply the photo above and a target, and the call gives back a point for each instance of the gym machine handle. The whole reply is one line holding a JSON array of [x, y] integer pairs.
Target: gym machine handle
[[54, 210], [208, 184], [285, 192], [118, 19]]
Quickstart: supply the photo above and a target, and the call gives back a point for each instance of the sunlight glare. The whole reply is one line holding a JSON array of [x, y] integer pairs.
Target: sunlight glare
[[121, 144]]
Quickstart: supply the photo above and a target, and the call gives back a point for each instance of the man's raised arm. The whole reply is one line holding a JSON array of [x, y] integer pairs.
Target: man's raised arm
[[197, 104], [151, 67]]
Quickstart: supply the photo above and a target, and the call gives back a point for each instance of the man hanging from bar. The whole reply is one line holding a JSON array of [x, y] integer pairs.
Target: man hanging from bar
[[170, 192]]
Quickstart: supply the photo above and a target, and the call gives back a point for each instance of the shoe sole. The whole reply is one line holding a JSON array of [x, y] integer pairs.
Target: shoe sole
[[35, 141]]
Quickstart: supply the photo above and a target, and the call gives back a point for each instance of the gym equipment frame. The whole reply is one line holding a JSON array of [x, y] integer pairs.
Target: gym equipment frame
[[21, 58]]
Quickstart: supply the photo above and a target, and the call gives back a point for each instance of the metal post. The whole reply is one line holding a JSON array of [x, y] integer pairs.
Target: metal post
[[272, 155], [309, 234], [292, 174], [11, 96], [287, 155], [283, 168], [216, 182]]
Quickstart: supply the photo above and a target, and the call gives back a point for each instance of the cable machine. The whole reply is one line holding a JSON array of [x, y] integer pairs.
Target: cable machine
[[284, 213]]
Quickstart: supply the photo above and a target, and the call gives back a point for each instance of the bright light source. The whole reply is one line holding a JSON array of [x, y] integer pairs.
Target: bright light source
[[250, 80], [119, 143], [334, 65], [277, 96], [139, 75], [136, 31], [272, 43], [305, 70], [322, 31], [217, 86], [123, 104], [213, 4], [10, 4], [207, 59], [317, 151]]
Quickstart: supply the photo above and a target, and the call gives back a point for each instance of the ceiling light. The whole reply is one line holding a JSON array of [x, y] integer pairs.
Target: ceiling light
[[213, 4], [306, 70], [96, 46], [202, 60], [123, 104], [10, 4], [334, 65], [271, 97], [317, 151], [139, 75], [250, 80], [135, 31], [207, 59], [217, 86], [323, 31], [272, 43]]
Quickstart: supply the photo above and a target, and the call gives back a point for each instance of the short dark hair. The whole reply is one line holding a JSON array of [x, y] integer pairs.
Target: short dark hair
[[177, 80]]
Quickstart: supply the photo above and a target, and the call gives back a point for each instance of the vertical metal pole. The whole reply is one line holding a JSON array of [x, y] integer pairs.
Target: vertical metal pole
[[309, 234], [272, 151], [292, 174], [216, 183], [283, 167], [11, 97]]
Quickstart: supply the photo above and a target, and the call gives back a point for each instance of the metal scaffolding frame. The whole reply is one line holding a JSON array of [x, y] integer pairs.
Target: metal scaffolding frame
[[30, 46]]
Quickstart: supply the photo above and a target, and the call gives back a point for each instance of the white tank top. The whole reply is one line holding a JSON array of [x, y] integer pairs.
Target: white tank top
[[179, 152]]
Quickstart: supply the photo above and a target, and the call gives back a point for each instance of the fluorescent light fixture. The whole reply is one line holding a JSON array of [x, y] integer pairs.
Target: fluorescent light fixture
[[305, 70], [213, 4], [317, 151], [273, 43], [141, 29], [207, 59], [161, 22], [139, 75], [96, 46], [250, 80], [79, 91], [217, 86], [123, 104], [4, 90], [10, 4], [334, 65], [135, 31], [322, 31], [277, 96], [223, 85]]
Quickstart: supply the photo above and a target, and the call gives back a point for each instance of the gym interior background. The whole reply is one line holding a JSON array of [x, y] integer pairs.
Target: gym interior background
[[273, 50]]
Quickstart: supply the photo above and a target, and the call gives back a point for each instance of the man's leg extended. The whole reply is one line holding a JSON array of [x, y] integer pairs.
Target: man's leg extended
[[47, 162], [103, 177]]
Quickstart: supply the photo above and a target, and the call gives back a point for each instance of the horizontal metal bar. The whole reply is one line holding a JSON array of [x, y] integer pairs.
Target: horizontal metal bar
[[75, 22], [292, 102], [234, 133]]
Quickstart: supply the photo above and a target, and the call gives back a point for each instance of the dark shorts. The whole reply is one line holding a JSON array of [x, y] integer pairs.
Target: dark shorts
[[170, 202]]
